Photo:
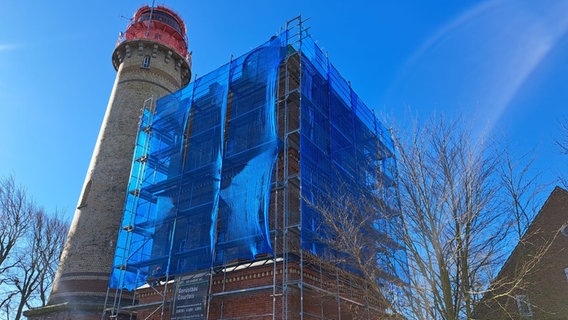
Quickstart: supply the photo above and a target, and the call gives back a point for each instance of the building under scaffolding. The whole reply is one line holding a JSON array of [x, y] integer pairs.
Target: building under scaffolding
[[223, 217]]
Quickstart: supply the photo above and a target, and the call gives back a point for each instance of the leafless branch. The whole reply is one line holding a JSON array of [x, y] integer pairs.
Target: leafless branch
[[30, 244]]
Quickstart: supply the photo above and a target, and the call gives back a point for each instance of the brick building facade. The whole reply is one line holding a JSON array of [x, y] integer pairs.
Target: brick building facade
[[325, 142], [533, 283], [325, 296]]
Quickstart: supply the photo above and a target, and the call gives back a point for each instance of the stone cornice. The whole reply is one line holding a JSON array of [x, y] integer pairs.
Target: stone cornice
[[129, 48]]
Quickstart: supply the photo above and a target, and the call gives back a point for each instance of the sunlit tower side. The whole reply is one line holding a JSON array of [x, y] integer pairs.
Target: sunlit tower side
[[152, 60]]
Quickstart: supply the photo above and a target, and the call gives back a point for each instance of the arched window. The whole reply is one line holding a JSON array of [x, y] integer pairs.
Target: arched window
[[146, 62]]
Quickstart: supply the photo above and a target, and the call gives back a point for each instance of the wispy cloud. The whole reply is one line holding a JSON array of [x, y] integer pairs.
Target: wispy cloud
[[461, 20], [483, 57], [523, 47], [7, 46]]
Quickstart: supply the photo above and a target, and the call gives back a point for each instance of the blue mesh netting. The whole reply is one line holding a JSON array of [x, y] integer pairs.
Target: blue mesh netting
[[203, 165], [251, 150], [344, 150], [188, 168]]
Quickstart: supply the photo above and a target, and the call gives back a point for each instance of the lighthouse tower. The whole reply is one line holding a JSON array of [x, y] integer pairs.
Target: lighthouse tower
[[151, 60]]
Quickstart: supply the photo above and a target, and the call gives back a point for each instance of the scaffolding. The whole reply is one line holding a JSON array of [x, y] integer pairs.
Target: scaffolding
[[221, 219]]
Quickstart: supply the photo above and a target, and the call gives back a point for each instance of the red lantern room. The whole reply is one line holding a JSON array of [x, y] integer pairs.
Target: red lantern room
[[158, 24]]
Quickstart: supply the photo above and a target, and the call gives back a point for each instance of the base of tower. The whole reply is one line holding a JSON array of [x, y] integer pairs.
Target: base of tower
[[66, 311]]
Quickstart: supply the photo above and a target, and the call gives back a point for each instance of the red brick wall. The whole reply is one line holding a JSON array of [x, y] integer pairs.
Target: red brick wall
[[249, 292]]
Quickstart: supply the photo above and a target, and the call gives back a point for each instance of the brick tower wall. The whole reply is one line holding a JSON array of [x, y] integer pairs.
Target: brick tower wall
[[81, 281]]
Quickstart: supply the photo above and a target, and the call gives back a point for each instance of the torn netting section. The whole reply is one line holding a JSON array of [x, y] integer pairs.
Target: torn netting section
[[251, 150]]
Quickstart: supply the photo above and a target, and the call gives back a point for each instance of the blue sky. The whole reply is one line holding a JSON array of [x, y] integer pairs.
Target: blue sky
[[501, 64]]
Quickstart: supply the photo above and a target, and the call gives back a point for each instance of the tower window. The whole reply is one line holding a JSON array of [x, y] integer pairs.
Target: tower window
[[146, 62]]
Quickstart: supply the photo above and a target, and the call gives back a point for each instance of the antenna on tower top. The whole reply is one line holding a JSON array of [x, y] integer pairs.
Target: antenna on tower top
[[150, 18]]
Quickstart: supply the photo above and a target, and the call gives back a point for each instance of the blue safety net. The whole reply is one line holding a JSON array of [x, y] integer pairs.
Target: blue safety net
[[251, 150], [347, 164], [202, 171], [189, 169]]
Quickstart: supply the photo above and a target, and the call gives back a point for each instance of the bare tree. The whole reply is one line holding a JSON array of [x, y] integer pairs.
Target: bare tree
[[37, 263], [356, 218], [453, 230], [463, 205], [15, 221], [457, 194], [562, 143], [521, 189], [50, 246], [32, 241]]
